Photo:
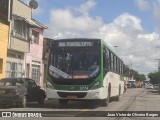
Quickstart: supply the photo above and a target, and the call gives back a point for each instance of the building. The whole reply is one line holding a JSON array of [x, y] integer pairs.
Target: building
[[34, 62], [19, 41], [4, 34], [25, 46]]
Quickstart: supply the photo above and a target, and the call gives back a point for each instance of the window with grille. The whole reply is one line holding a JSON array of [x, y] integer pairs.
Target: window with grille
[[35, 37], [14, 69], [21, 30]]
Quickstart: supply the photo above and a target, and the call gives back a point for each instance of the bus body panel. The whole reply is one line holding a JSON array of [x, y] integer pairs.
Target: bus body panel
[[114, 80], [99, 93]]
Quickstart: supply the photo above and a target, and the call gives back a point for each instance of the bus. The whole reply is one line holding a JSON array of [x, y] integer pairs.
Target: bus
[[84, 69], [131, 84]]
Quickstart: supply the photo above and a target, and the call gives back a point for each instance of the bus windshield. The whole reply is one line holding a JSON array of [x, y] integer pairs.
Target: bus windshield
[[74, 63]]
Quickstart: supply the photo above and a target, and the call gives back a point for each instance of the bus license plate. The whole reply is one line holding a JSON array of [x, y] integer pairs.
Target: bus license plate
[[71, 97]]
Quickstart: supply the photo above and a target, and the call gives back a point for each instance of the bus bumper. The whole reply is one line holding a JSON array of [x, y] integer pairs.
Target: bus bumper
[[100, 93]]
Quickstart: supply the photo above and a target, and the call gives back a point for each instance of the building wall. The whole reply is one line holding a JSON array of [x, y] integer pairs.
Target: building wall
[[34, 57], [4, 29], [21, 9], [19, 45]]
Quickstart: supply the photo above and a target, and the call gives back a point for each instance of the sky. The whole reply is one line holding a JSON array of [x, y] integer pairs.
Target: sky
[[132, 25]]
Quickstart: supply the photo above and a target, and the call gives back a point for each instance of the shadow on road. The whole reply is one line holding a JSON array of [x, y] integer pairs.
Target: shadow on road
[[151, 91], [71, 105]]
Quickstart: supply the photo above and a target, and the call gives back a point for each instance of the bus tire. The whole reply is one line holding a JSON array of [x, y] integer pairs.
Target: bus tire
[[119, 93], [63, 102], [105, 102]]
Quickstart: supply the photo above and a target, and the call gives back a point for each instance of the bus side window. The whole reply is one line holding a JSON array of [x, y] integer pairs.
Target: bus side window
[[106, 60]]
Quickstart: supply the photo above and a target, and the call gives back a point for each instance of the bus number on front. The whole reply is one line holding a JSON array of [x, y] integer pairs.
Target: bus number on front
[[83, 88]]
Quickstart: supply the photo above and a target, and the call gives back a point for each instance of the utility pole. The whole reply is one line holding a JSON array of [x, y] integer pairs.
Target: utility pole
[[159, 74], [158, 47]]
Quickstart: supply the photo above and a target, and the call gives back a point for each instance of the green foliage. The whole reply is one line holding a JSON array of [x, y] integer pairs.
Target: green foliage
[[133, 74], [154, 77]]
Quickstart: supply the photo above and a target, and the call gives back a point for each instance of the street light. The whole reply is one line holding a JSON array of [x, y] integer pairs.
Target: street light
[[115, 47]]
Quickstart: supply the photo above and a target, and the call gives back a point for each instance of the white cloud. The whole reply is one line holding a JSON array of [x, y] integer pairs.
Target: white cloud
[[39, 11], [135, 46], [142, 4], [86, 7], [152, 6], [65, 20], [149, 37], [156, 10]]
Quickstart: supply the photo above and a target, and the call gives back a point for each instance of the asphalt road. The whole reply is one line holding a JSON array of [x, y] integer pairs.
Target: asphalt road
[[135, 99]]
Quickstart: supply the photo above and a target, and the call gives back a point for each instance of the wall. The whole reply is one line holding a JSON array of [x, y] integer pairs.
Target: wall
[[19, 45], [4, 29], [21, 9], [35, 55]]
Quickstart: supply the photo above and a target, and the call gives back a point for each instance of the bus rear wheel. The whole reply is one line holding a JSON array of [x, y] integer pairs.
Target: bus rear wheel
[[119, 93], [63, 102]]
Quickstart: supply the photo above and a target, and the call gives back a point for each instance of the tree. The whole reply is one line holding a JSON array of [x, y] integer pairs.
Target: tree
[[133, 74], [126, 71], [154, 77], [142, 77]]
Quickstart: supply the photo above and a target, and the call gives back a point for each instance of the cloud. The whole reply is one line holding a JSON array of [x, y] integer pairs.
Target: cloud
[[143, 5], [64, 20], [152, 6], [38, 12], [135, 45], [86, 7], [156, 10]]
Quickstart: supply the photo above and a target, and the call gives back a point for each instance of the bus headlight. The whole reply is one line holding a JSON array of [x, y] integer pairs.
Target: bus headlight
[[96, 85]]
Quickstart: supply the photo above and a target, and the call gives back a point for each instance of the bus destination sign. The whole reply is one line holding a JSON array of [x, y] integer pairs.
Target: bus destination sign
[[76, 44]]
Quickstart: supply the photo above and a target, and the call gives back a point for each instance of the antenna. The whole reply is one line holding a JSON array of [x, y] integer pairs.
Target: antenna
[[33, 4]]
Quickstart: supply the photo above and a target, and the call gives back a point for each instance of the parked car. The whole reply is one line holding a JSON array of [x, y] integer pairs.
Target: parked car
[[156, 87], [20, 91], [149, 86]]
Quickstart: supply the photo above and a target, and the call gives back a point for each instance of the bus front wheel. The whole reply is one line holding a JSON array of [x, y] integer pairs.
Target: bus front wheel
[[105, 102]]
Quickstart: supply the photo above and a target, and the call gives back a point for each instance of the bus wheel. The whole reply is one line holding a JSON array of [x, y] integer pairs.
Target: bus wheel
[[63, 102], [119, 93], [105, 102]]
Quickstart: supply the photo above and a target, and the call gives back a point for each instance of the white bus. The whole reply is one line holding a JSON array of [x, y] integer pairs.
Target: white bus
[[84, 69]]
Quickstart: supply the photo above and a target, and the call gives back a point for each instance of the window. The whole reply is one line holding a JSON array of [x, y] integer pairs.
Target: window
[[4, 7], [118, 67], [36, 73], [35, 36], [112, 62], [121, 67], [1, 65], [115, 64], [21, 30], [19, 70], [15, 55], [14, 69], [106, 59]]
